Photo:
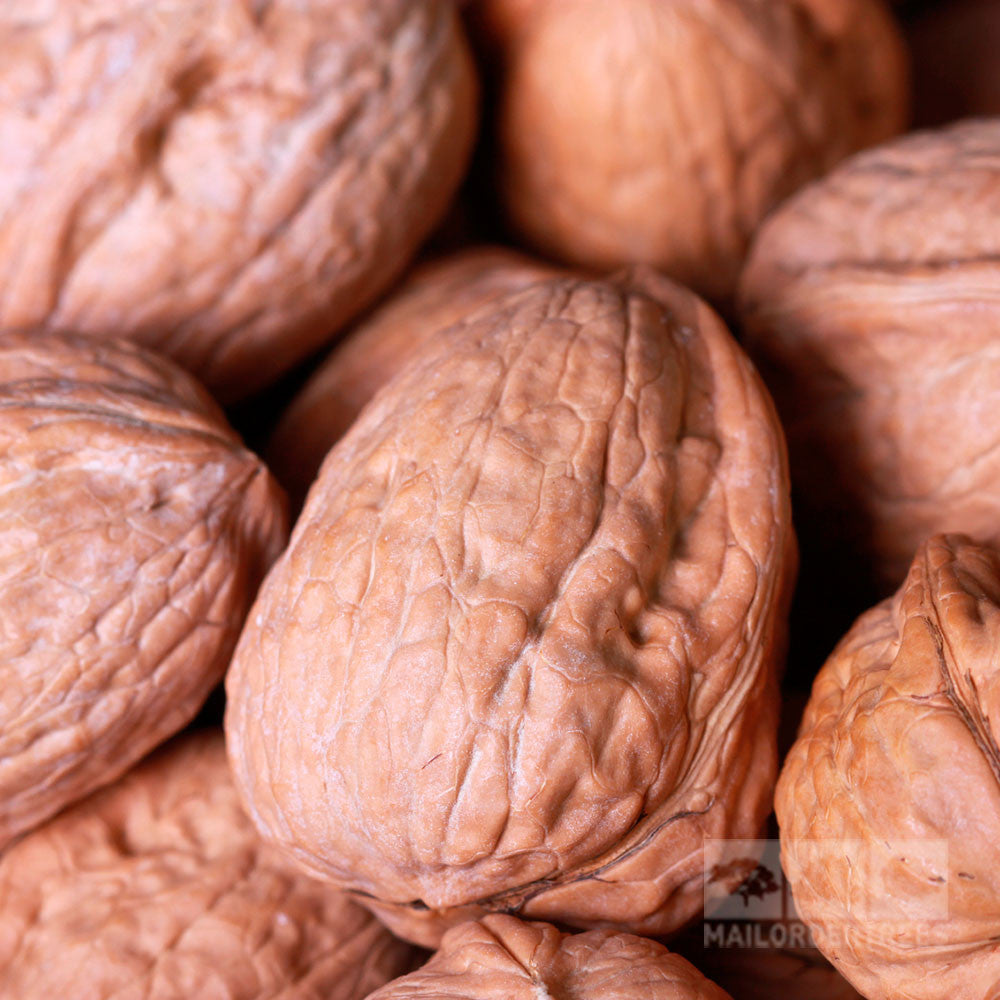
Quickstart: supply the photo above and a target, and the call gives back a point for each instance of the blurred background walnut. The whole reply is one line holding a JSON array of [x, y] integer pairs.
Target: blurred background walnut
[[227, 182], [871, 303], [159, 887], [662, 131], [502, 958]]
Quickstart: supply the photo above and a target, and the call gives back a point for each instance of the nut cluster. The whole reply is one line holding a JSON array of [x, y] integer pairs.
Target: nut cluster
[[507, 649]]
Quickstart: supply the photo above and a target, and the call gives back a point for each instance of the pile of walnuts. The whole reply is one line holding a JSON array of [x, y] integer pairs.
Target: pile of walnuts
[[469, 687]]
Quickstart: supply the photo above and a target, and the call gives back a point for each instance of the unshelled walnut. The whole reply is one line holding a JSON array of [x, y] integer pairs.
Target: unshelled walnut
[[521, 653], [889, 804], [159, 887], [870, 302], [134, 530], [503, 958], [228, 182], [662, 131], [435, 296]]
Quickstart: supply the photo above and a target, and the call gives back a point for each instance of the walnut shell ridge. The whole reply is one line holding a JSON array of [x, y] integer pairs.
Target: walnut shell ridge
[[158, 888], [433, 297], [134, 531], [870, 302], [502, 958], [663, 131], [521, 652], [888, 802], [226, 182]]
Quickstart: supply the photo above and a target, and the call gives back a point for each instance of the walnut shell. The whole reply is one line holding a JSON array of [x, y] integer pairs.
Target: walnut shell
[[871, 302], [159, 889], [888, 802], [433, 297], [134, 529], [662, 131], [502, 958], [521, 652], [228, 181]]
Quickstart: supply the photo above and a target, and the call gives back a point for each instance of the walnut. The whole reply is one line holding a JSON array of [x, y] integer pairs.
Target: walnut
[[521, 653], [433, 297], [870, 302], [134, 530], [662, 131], [227, 181], [502, 958], [158, 887], [888, 801]]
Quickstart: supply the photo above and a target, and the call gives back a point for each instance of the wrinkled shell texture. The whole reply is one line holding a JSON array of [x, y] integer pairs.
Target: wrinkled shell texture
[[955, 69], [521, 652], [704, 114], [134, 530], [871, 302], [898, 757], [159, 889], [502, 957], [257, 171], [435, 296]]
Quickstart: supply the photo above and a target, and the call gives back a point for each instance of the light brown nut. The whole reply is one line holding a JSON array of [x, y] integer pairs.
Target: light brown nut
[[662, 131], [134, 530], [889, 803], [228, 182], [434, 296], [871, 301], [955, 68], [521, 652], [503, 958], [159, 889]]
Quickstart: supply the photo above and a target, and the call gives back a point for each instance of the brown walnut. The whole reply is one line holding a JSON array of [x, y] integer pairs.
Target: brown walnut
[[889, 802], [662, 131], [432, 298], [158, 888], [521, 654], [134, 530], [502, 958], [871, 301], [227, 181]]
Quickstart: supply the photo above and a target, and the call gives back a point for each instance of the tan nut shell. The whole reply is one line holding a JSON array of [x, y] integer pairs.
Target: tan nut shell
[[889, 802], [159, 889], [227, 181], [502, 958], [872, 303], [662, 131], [521, 652], [433, 297], [134, 530]]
